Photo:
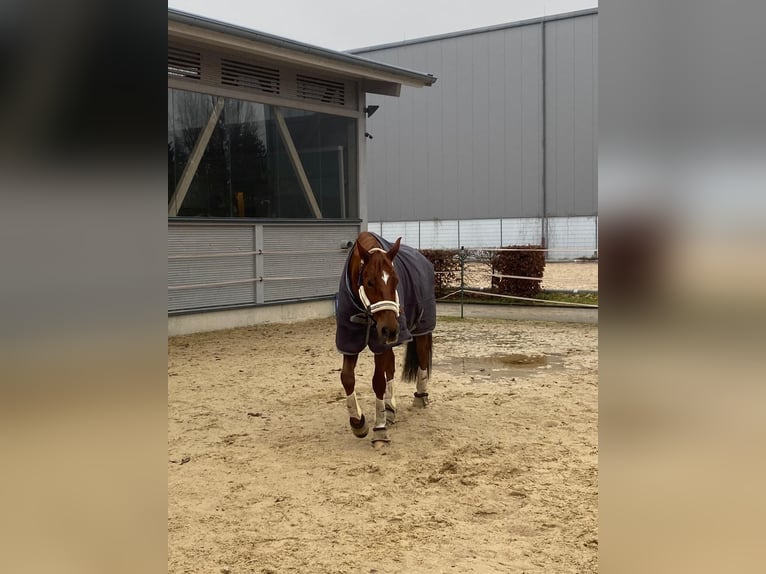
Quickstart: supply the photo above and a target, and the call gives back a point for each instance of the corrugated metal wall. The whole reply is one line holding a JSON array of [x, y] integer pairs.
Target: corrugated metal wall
[[195, 257], [302, 261], [571, 68], [215, 265], [471, 146]]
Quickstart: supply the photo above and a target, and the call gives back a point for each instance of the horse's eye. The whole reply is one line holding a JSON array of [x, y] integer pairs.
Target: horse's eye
[[370, 283]]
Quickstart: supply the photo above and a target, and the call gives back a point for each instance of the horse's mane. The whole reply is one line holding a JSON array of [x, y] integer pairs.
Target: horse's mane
[[367, 240]]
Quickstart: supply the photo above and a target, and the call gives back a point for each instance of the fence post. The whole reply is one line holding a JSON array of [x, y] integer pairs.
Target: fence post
[[462, 278]]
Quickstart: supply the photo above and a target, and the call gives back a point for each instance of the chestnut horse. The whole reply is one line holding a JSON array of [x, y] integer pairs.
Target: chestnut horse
[[386, 298]]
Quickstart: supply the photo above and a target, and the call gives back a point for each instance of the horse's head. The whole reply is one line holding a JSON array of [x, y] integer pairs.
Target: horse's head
[[377, 289]]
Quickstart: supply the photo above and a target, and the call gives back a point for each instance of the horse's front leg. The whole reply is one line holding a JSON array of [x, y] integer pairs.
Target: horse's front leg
[[383, 366], [390, 397], [355, 416]]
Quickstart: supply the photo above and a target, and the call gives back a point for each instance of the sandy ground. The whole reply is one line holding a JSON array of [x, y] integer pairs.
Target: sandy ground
[[498, 474], [571, 275], [568, 275]]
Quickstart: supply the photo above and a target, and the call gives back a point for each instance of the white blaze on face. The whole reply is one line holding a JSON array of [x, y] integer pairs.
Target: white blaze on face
[[385, 278]]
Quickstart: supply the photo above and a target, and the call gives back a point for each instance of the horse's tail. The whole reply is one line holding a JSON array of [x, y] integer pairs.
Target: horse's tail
[[412, 363]]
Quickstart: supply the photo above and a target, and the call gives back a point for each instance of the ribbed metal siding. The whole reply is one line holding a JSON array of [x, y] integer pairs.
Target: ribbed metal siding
[[310, 257], [568, 237], [202, 239], [571, 237], [440, 234], [470, 145], [299, 261], [409, 231], [571, 89]]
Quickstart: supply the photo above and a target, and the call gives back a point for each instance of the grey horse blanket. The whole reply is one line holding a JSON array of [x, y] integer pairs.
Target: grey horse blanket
[[355, 328]]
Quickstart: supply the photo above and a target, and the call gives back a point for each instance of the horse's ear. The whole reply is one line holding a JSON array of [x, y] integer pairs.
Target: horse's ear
[[394, 249], [363, 253]]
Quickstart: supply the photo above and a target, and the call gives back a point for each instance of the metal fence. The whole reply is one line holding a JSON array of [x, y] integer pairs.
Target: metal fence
[[476, 273], [567, 238]]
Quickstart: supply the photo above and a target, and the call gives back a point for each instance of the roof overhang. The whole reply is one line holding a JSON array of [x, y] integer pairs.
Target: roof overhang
[[374, 77]]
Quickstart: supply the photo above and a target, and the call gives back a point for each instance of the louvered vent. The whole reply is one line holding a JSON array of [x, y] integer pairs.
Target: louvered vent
[[249, 76], [184, 63], [321, 90]]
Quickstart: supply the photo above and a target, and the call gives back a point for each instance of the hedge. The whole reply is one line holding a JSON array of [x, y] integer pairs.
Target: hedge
[[526, 263], [446, 264]]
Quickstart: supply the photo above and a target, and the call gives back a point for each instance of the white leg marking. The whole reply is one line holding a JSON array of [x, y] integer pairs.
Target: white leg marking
[[354, 410], [390, 396], [422, 383], [380, 414], [390, 401]]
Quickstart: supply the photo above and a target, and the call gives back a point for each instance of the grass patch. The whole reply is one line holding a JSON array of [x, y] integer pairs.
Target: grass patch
[[552, 296], [581, 298]]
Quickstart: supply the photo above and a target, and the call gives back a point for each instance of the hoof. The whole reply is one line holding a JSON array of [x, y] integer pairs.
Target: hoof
[[420, 400], [380, 437], [359, 429], [390, 415]]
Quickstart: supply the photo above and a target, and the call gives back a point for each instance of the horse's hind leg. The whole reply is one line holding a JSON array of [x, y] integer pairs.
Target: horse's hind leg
[[423, 347], [355, 416]]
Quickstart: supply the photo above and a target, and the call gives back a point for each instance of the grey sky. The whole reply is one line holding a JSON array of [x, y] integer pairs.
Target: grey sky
[[347, 24]]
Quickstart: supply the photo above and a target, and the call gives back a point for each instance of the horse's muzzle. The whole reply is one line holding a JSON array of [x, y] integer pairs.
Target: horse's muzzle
[[390, 336]]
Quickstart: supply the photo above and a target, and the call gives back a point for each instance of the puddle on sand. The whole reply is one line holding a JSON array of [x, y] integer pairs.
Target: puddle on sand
[[500, 366]]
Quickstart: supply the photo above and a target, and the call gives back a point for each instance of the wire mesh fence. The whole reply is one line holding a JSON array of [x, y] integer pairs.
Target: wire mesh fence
[[572, 283]]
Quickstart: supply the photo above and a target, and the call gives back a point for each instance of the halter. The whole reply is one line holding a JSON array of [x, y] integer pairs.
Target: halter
[[380, 305], [385, 305]]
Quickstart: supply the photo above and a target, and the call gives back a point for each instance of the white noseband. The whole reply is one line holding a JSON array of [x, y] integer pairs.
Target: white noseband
[[380, 305]]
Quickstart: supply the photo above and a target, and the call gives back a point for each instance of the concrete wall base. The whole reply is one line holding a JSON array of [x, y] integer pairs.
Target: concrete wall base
[[233, 318]]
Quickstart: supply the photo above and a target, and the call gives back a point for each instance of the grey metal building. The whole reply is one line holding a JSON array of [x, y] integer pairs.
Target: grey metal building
[[502, 150], [266, 179]]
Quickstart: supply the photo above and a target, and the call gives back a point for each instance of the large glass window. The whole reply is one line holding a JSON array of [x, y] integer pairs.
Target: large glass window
[[232, 158]]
